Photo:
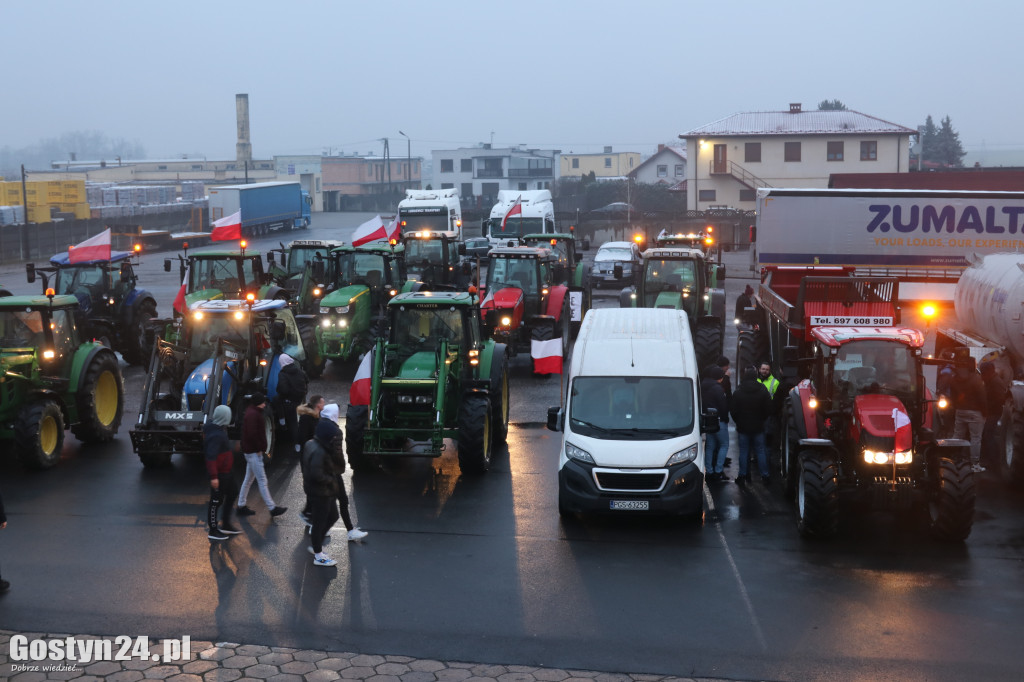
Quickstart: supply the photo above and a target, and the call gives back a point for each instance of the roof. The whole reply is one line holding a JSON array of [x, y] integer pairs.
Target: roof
[[222, 254], [520, 251], [232, 305], [314, 243], [967, 179], [63, 258], [679, 151], [254, 185], [672, 252], [634, 342], [761, 123], [837, 336], [432, 297], [36, 301]]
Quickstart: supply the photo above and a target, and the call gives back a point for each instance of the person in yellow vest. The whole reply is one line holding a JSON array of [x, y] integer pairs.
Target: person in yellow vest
[[765, 378], [771, 425]]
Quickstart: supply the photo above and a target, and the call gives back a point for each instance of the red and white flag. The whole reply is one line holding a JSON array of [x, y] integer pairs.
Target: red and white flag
[[394, 230], [517, 209], [371, 231], [179, 300], [547, 356], [904, 435], [93, 248], [227, 228], [359, 394]]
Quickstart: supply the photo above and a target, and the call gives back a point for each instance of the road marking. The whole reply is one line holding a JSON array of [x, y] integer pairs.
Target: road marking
[[754, 622]]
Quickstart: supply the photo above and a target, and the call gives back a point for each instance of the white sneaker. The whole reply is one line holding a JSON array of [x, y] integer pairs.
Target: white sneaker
[[324, 560], [356, 534], [977, 468]]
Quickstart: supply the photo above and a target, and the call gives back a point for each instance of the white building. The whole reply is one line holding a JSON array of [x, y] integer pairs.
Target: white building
[[666, 167], [479, 173], [732, 157]]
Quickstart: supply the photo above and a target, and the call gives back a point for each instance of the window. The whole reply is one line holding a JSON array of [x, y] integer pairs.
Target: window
[[197, 166], [575, 163], [869, 151], [467, 189], [607, 162], [834, 151], [161, 167], [522, 187], [748, 195], [265, 166], [752, 152], [466, 165], [792, 151], [706, 195], [447, 166], [631, 162], [447, 185], [663, 171], [679, 170]]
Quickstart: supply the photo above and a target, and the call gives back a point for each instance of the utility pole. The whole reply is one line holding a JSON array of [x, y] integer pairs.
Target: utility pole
[[408, 160], [24, 195]]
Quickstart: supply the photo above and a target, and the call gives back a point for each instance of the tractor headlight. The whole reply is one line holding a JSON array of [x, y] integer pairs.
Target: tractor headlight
[[904, 457], [326, 323], [405, 400], [424, 400], [506, 321], [573, 452], [687, 455], [318, 292], [943, 403], [875, 457], [341, 309], [48, 354], [324, 311]]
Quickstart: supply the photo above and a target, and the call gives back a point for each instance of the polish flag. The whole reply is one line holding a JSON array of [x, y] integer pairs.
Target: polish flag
[[547, 356], [227, 228], [93, 248], [371, 231], [517, 209], [359, 394], [179, 300], [904, 434]]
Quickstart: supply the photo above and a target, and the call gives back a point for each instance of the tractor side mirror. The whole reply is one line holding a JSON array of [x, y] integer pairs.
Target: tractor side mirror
[[277, 330], [126, 274], [617, 271], [462, 248], [270, 256], [467, 269], [586, 245], [492, 317], [558, 272], [483, 229], [556, 418], [30, 272], [318, 270], [167, 264], [709, 421]]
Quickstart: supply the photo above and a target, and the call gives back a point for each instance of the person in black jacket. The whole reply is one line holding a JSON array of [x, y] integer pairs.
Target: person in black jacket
[[744, 305], [997, 392], [330, 412], [320, 482], [751, 406], [716, 445], [4, 584], [291, 391], [219, 463], [723, 362]]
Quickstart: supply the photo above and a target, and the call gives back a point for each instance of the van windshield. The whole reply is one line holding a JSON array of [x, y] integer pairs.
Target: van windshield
[[631, 408]]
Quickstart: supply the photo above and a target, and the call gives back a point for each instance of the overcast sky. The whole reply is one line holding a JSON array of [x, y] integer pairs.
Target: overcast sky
[[575, 75]]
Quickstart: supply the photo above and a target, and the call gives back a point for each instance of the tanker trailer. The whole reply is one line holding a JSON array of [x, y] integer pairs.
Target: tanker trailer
[[989, 304]]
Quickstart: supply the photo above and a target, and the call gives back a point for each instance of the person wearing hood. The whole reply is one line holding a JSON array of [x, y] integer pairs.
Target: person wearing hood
[[716, 445], [751, 406], [291, 391], [330, 414], [254, 446], [309, 415], [219, 462], [744, 305], [320, 483]]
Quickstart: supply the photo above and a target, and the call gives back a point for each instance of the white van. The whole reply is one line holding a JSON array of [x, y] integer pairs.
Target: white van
[[632, 422]]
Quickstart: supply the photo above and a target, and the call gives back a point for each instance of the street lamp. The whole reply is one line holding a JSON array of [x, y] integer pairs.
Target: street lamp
[[408, 160]]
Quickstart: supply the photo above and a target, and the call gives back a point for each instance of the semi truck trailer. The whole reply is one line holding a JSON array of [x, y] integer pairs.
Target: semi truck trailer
[[265, 206]]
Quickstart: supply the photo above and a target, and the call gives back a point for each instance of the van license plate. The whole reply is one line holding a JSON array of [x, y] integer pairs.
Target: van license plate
[[630, 505]]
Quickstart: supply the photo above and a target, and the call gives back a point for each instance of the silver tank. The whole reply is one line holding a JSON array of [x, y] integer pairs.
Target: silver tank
[[989, 300]]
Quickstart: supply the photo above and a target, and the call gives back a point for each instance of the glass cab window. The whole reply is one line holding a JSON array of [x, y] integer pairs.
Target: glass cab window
[[423, 328], [512, 272], [671, 276], [874, 366], [21, 329], [86, 280]]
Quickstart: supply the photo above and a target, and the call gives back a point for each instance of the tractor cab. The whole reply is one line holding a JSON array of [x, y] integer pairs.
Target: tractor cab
[[303, 269], [702, 240], [433, 262], [529, 270], [38, 333], [225, 275]]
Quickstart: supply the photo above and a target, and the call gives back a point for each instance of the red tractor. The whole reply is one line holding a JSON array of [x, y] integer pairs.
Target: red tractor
[[522, 303]]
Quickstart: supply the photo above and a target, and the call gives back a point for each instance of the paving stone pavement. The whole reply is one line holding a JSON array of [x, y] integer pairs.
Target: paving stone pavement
[[231, 662]]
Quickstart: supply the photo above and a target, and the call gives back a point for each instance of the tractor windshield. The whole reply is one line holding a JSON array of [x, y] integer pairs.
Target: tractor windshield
[[223, 274], [21, 329], [422, 256], [424, 327], [512, 272], [298, 257], [631, 408], [872, 366], [206, 329], [356, 267], [673, 276], [89, 281]]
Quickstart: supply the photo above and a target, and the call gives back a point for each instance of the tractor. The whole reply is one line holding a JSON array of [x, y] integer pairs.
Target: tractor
[[434, 262], [684, 279], [568, 270], [354, 313], [53, 379], [523, 303], [434, 377], [225, 275], [229, 349], [110, 307]]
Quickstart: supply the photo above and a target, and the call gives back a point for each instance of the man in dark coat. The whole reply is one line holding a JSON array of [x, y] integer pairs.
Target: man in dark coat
[[716, 445], [751, 406], [291, 391], [744, 304], [320, 483], [723, 362], [997, 392], [969, 401]]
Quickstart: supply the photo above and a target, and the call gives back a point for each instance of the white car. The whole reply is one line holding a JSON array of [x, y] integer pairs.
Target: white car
[[610, 254]]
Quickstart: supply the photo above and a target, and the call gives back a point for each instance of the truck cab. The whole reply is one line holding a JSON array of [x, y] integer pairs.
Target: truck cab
[[431, 210], [533, 213]]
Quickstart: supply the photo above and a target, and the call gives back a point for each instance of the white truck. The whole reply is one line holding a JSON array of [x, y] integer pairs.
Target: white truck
[[536, 215], [431, 210]]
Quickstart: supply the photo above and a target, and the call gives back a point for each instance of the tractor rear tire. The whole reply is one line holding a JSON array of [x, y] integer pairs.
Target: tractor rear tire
[[751, 349], [951, 502], [789, 457], [138, 347], [817, 496], [707, 343], [100, 400], [499, 394], [355, 430], [474, 434], [39, 433], [315, 363]]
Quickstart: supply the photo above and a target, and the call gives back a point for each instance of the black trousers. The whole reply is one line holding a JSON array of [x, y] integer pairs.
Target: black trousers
[[228, 492], [325, 514], [346, 516]]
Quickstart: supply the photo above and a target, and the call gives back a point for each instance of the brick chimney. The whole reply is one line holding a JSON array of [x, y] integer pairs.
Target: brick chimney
[[661, 147], [795, 107]]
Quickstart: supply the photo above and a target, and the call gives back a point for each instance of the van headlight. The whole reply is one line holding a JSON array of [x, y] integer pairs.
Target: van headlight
[[687, 455], [573, 452]]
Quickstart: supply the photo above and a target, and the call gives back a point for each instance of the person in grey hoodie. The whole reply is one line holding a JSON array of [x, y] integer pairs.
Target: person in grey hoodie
[[219, 461]]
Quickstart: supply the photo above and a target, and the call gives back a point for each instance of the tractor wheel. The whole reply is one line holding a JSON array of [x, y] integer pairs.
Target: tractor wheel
[[499, 394], [817, 495], [951, 502], [39, 433], [355, 429], [270, 427], [789, 465], [751, 348], [137, 347], [100, 400], [4, 292], [707, 343], [1012, 461], [474, 434], [315, 363]]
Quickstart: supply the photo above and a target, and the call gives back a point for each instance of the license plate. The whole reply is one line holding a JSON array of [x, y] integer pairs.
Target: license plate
[[630, 505]]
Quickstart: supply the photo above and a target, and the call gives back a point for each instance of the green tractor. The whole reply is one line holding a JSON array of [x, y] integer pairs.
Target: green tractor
[[434, 377], [225, 275], [568, 270], [354, 313], [53, 379], [684, 279], [305, 270], [230, 349], [434, 262], [110, 307]]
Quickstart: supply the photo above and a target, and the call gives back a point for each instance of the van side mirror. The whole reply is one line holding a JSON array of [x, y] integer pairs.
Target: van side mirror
[[30, 272], [709, 421], [167, 264], [556, 418]]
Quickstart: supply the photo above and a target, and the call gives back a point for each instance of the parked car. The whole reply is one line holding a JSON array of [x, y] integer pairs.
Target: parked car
[[477, 247], [618, 209], [610, 254]]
